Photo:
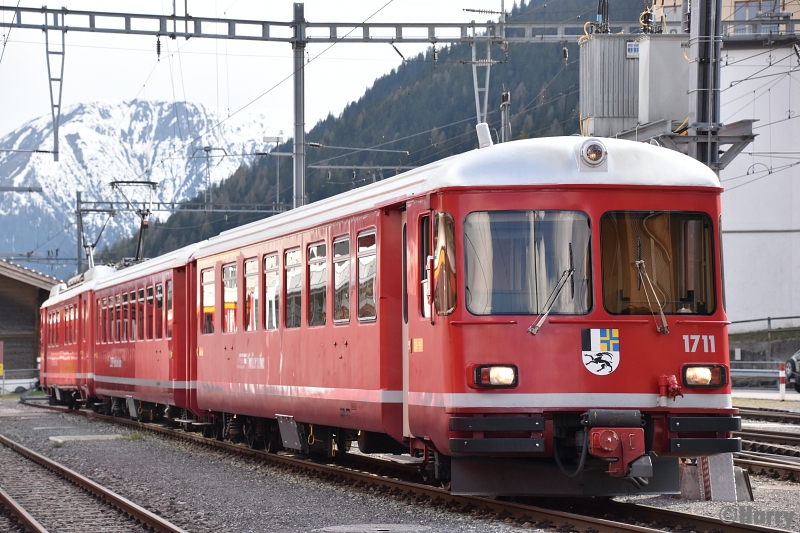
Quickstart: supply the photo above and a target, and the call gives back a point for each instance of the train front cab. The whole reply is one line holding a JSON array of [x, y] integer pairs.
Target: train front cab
[[583, 324]]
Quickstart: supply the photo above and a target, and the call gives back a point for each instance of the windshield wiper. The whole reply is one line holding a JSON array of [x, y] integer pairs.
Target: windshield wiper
[[640, 266], [551, 300]]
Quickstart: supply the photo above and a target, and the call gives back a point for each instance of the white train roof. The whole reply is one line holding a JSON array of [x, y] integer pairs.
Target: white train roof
[[530, 162], [178, 258], [85, 282]]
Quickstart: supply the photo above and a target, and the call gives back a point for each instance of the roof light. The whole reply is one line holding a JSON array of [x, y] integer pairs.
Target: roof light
[[593, 152]]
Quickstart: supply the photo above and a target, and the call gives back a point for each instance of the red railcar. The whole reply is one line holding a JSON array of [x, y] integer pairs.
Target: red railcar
[[143, 343], [66, 338], [538, 317], [575, 303]]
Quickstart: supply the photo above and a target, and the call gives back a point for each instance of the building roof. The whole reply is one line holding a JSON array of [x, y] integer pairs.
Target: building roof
[[26, 275]]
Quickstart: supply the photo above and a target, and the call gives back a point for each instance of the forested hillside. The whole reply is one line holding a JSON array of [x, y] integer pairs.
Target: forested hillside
[[422, 107]]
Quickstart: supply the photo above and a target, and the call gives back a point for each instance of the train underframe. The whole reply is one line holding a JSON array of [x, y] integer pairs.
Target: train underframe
[[597, 452]]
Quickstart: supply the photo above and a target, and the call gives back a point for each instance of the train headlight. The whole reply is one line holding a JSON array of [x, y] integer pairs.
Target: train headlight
[[495, 376], [593, 152], [704, 375]]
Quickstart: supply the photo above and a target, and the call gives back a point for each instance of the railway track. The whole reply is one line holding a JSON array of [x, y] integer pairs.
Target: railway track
[[46, 496], [613, 516], [771, 415], [9, 522]]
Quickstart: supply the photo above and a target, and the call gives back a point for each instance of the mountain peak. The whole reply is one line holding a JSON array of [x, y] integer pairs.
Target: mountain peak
[[101, 142]]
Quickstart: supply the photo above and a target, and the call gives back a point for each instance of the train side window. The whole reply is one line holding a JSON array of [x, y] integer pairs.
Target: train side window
[[132, 336], [317, 284], [272, 288], [150, 317], [169, 309], [444, 268], [99, 321], [208, 300], [104, 325], [341, 280], [294, 288], [229, 298], [124, 336], [118, 323], [251, 295], [109, 319], [159, 309], [112, 319], [424, 253], [140, 335], [367, 272]]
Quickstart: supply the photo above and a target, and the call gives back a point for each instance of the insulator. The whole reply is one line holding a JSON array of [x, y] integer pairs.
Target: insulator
[[565, 53], [158, 47]]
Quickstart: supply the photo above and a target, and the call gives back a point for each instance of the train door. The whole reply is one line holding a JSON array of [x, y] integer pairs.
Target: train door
[[84, 351], [416, 302], [405, 352]]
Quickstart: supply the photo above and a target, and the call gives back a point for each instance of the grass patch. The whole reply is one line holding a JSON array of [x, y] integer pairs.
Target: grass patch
[[136, 435], [58, 444]]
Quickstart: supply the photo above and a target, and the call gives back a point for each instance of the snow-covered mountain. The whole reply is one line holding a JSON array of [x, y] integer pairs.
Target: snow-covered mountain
[[98, 143]]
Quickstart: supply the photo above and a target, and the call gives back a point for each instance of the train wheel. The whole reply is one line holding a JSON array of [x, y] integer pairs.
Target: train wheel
[[254, 432], [272, 440]]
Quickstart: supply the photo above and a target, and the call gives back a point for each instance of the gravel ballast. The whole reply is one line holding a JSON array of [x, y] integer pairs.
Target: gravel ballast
[[204, 490]]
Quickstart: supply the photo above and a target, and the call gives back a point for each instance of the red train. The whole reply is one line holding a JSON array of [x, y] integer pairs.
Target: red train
[[541, 310]]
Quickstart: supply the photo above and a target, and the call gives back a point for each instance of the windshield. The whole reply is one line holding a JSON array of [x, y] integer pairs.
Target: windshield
[[675, 252], [514, 260]]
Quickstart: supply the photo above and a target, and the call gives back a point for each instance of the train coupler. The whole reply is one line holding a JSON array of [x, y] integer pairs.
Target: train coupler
[[623, 448], [616, 436]]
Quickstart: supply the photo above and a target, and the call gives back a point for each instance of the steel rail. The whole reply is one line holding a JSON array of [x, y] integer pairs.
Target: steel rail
[[763, 447], [774, 415], [552, 518], [764, 436], [767, 465], [114, 499], [19, 512]]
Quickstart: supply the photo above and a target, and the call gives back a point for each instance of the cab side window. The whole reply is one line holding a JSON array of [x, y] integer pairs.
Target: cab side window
[[317, 284], [341, 280], [294, 288], [207, 300], [272, 288], [367, 271]]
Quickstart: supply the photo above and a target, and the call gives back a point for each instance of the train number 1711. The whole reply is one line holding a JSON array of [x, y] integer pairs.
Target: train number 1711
[[691, 342]]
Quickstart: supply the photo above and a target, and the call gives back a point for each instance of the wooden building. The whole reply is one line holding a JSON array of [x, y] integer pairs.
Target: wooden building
[[22, 291]]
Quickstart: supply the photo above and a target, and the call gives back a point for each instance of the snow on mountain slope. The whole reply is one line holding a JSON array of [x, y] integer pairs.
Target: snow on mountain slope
[[99, 143]]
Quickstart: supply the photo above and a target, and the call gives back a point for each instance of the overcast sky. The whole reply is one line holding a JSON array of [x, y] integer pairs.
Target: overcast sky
[[214, 72]]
